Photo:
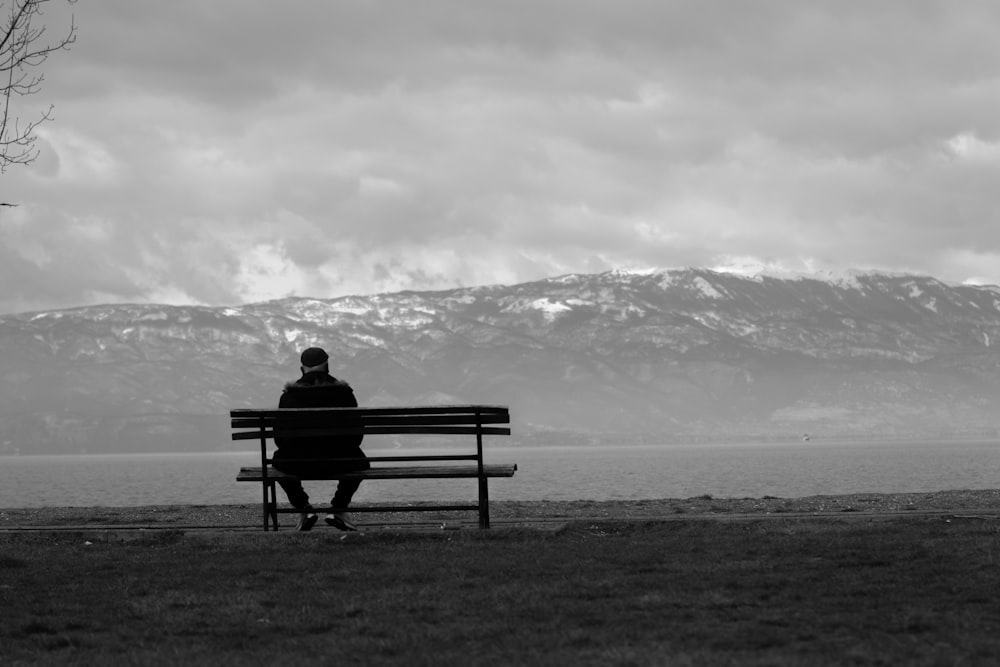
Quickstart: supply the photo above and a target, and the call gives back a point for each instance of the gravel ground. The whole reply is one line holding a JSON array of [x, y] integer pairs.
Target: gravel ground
[[986, 502]]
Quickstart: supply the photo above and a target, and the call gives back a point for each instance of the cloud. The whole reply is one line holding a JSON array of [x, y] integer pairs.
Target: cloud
[[231, 151]]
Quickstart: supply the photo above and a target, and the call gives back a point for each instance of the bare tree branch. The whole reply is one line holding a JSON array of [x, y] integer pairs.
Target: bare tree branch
[[23, 49]]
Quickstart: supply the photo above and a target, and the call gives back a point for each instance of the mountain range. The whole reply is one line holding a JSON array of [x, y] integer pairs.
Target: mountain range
[[618, 357]]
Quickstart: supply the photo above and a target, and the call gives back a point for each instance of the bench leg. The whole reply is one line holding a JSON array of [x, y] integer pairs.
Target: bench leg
[[274, 507], [270, 505], [265, 504], [484, 504]]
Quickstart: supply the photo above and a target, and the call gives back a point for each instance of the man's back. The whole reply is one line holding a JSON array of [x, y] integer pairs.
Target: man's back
[[318, 390]]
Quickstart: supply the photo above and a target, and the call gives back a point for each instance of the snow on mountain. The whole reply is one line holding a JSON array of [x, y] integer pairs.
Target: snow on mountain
[[659, 354]]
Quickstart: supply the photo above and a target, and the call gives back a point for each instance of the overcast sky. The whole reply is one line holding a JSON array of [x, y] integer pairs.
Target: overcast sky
[[239, 150]]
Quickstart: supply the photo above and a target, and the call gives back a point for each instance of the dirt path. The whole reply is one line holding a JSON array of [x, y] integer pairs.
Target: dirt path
[[978, 502]]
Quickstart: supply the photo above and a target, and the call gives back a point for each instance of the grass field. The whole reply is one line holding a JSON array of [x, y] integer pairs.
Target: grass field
[[852, 591]]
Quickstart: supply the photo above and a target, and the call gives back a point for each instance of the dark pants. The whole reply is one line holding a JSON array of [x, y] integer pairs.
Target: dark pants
[[290, 461]]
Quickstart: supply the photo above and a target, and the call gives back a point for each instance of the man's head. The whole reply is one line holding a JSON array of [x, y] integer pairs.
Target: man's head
[[314, 359]]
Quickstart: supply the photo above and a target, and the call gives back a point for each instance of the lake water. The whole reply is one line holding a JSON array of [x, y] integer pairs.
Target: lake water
[[754, 470]]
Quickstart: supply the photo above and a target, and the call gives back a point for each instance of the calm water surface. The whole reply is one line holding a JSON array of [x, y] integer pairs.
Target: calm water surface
[[544, 473]]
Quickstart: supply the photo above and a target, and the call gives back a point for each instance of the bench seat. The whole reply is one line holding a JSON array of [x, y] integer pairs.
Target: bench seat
[[255, 473]]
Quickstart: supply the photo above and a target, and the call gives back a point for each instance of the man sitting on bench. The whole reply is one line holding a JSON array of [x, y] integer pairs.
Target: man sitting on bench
[[318, 389]]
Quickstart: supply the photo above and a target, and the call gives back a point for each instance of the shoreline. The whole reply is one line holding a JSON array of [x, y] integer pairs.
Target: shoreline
[[982, 501]]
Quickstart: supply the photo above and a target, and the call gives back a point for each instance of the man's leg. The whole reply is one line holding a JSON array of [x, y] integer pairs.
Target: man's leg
[[346, 488], [286, 462], [299, 499], [297, 496]]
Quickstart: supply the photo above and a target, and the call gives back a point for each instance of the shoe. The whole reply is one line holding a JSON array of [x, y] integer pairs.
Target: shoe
[[340, 520], [307, 520]]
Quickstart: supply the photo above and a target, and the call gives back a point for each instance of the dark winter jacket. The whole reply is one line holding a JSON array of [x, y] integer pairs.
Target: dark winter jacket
[[318, 390]]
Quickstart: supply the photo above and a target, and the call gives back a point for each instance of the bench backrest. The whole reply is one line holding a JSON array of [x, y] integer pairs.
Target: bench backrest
[[477, 420]]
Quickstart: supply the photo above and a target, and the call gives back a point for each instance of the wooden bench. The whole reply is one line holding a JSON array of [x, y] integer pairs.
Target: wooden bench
[[460, 420]]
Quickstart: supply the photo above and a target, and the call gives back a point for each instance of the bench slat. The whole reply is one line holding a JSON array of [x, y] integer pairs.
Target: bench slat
[[385, 411], [377, 420], [371, 430], [373, 459], [254, 474], [421, 507]]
